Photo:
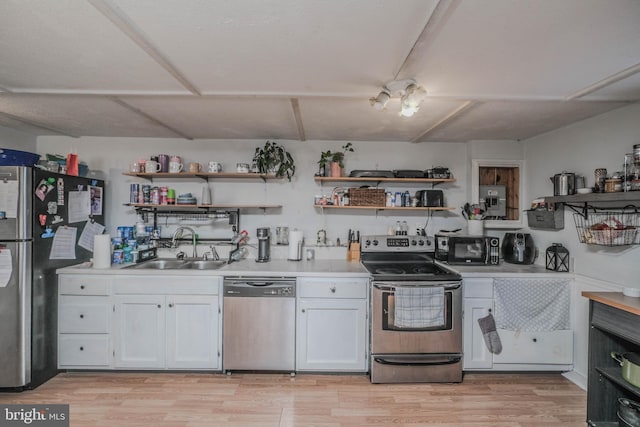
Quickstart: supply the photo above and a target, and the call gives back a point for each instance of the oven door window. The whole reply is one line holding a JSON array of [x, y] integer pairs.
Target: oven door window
[[389, 309]]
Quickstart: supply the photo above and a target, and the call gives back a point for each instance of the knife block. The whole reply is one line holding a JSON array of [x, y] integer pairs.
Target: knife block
[[353, 253]]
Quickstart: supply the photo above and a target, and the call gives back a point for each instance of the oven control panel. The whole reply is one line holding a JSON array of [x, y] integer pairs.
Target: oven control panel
[[384, 243]]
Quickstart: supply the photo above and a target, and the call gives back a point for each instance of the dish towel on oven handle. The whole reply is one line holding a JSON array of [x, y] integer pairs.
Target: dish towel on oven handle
[[532, 305], [419, 307]]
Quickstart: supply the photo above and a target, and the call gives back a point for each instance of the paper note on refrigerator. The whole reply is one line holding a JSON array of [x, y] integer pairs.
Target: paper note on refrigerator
[[64, 243], [9, 198], [79, 206], [6, 267], [88, 233]]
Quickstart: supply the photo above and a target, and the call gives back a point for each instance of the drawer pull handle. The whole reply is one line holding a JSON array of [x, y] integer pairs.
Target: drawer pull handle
[[535, 340], [170, 305], [333, 289], [304, 311], [82, 316], [159, 306], [81, 286], [81, 348]]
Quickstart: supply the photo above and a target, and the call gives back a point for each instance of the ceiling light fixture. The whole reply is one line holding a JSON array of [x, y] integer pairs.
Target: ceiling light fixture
[[411, 96], [380, 102]]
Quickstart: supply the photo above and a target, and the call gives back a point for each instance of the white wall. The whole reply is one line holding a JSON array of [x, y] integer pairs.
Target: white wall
[[17, 140], [113, 155], [601, 141]]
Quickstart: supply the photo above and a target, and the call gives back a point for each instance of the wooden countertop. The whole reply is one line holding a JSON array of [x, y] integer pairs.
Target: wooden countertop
[[615, 299]]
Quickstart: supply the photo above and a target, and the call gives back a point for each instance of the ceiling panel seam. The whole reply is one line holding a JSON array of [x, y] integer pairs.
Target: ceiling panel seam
[[148, 117], [295, 105], [440, 15], [37, 124], [609, 80], [456, 113], [124, 24]]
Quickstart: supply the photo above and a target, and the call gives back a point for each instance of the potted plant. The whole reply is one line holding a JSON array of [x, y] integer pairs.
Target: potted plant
[[273, 158], [334, 159]]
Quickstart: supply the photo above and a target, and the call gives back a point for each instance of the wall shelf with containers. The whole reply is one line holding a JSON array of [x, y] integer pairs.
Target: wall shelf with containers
[[202, 211], [373, 201], [604, 219], [204, 175]]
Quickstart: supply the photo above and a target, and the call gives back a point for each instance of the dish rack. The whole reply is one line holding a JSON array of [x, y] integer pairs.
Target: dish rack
[[608, 228]]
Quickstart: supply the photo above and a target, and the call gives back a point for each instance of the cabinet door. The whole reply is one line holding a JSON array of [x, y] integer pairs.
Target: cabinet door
[[476, 353], [139, 331], [192, 332], [331, 335]]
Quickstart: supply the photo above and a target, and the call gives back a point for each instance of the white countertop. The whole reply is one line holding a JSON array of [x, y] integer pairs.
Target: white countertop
[[317, 268], [247, 267], [505, 269]]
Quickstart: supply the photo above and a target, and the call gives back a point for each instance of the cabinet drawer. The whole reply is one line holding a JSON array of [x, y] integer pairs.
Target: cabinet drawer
[[84, 317], [183, 285], [477, 288], [83, 350], [550, 347], [84, 285], [333, 288]]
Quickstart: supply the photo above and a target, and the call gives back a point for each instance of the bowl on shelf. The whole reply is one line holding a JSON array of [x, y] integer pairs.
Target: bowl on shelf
[[584, 190]]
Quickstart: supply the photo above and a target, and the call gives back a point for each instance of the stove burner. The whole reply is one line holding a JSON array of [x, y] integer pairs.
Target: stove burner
[[389, 270]]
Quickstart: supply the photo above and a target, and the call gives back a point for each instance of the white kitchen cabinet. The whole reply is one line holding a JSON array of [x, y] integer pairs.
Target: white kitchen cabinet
[[476, 353], [332, 324], [140, 331], [167, 322], [84, 322], [521, 350]]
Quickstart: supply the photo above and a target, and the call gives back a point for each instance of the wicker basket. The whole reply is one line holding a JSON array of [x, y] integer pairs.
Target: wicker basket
[[608, 228], [366, 197]]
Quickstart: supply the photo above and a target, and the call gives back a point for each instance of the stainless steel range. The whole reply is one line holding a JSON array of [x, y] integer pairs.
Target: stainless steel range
[[416, 312]]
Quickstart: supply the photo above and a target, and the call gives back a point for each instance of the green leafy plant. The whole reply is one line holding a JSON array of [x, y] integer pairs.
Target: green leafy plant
[[335, 156], [274, 158]]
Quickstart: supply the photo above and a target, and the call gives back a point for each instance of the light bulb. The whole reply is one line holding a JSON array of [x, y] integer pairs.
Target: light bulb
[[380, 102]]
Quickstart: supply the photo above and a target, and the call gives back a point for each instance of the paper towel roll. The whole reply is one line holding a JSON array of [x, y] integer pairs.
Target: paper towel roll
[[295, 245], [102, 251]]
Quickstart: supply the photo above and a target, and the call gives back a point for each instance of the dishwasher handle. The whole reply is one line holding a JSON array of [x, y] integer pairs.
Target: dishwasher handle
[[259, 283]]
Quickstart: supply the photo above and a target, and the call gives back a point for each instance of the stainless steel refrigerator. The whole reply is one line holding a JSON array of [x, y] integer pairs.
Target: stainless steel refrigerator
[[34, 204]]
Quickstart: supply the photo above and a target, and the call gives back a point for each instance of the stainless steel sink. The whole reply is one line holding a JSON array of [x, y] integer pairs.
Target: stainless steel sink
[[179, 264], [162, 264], [207, 264]]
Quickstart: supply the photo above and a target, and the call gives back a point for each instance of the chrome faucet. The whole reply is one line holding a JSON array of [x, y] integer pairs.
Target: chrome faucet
[[214, 254], [178, 235]]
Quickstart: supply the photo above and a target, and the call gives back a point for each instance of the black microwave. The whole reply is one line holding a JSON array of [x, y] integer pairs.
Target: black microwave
[[467, 250]]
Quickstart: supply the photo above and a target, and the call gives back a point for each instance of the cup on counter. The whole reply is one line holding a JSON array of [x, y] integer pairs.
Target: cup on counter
[[242, 167], [175, 167], [151, 166], [214, 167], [194, 167]]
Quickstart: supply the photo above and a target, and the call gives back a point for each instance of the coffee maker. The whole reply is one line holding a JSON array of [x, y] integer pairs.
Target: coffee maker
[[264, 244]]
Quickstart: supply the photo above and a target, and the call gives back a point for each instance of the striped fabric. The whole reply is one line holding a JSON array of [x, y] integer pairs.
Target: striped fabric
[[419, 307]]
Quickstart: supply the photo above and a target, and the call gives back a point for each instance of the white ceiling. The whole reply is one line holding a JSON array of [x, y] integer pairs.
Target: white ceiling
[[305, 69]]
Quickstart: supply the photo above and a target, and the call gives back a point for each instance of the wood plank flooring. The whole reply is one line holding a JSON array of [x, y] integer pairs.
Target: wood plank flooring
[[278, 400]]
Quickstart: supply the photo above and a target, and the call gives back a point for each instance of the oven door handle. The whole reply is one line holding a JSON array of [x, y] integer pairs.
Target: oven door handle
[[415, 360], [387, 286]]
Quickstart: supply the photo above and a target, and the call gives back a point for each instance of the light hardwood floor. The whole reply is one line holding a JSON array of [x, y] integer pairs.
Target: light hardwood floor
[[278, 400]]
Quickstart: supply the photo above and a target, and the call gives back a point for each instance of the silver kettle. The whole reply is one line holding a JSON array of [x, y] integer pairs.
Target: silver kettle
[[564, 184]]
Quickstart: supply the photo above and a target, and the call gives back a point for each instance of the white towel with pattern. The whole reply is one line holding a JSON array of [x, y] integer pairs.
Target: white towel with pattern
[[532, 305], [419, 307]]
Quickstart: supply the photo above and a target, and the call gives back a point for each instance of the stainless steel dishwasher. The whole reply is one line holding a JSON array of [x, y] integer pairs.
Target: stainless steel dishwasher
[[259, 324]]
